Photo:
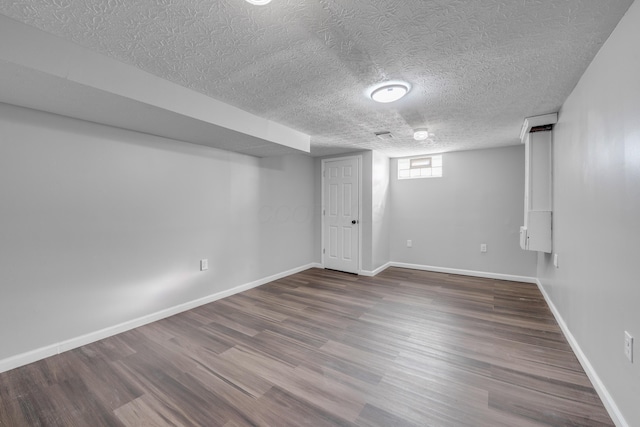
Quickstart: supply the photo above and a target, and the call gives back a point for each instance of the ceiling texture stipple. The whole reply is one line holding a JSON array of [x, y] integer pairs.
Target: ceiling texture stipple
[[476, 68]]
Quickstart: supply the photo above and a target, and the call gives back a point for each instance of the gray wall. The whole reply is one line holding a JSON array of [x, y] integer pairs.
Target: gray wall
[[596, 219], [366, 216], [99, 225], [479, 199], [380, 211]]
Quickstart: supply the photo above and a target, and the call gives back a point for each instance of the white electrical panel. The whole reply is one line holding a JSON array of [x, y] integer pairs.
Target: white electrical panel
[[535, 234]]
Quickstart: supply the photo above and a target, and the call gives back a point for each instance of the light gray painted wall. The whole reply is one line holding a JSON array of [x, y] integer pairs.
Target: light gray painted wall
[[479, 199], [99, 225], [317, 212], [596, 219], [380, 211], [366, 216]]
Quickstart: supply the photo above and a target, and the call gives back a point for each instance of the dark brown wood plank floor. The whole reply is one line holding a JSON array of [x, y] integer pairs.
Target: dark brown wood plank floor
[[323, 348]]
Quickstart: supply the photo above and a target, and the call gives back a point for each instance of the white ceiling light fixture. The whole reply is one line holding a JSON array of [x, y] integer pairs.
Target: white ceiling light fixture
[[421, 134], [259, 2], [389, 91]]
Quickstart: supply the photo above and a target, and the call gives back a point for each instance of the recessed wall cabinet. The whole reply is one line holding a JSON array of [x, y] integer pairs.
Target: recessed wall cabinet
[[537, 136]]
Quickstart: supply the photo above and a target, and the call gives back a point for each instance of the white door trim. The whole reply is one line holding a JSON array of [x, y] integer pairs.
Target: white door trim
[[322, 208]]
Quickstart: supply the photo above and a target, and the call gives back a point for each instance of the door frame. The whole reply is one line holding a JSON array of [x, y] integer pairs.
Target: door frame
[[322, 208]]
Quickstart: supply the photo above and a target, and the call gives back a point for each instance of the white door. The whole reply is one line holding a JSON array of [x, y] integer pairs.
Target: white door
[[341, 214]]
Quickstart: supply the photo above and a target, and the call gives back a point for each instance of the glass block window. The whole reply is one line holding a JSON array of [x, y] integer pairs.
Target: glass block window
[[420, 167]]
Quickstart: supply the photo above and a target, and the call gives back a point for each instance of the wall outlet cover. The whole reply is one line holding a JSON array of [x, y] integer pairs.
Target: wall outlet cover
[[204, 264], [483, 247], [628, 346], [409, 244]]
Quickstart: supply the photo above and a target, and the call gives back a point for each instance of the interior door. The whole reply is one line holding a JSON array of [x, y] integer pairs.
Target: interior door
[[341, 214]]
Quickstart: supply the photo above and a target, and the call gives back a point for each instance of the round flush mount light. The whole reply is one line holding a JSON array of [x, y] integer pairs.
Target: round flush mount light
[[420, 134], [389, 91], [259, 2]]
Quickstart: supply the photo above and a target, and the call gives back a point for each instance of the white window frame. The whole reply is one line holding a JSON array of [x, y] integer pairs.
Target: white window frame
[[420, 167]]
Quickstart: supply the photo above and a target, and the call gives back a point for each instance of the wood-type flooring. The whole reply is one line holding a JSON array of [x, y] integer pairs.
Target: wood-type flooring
[[323, 348]]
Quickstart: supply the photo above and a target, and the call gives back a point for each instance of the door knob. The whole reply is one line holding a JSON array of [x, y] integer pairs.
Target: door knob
[[355, 221]]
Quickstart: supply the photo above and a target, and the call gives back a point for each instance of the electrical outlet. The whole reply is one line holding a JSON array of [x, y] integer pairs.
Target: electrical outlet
[[483, 247], [555, 260], [204, 264], [409, 244], [628, 346]]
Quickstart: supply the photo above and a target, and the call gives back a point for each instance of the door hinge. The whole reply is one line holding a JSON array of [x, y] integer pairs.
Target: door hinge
[[323, 212], [324, 174], [323, 251]]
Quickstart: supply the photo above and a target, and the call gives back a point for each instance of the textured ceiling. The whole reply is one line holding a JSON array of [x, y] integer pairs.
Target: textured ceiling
[[477, 68]]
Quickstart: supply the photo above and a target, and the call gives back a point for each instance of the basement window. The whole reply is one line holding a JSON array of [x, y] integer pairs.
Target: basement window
[[420, 167]]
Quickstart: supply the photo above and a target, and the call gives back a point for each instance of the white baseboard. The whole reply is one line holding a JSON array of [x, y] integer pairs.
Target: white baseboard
[[485, 274], [376, 271], [57, 348], [607, 400]]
